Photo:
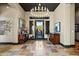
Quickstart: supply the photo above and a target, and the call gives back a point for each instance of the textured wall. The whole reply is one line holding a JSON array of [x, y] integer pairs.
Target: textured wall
[[13, 14]]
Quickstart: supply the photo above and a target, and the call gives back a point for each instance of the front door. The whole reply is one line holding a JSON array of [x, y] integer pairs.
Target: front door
[[39, 29]]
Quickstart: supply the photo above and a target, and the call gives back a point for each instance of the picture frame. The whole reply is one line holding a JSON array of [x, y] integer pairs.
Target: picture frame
[[76, 27], [57, 27]]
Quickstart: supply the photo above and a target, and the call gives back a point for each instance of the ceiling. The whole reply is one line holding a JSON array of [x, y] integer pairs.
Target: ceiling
[[29, 6]]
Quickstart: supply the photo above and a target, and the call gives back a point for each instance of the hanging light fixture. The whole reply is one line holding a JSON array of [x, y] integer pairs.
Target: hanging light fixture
[[39, 11]]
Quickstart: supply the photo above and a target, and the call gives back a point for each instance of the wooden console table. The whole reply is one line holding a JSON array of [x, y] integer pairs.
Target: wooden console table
[[55, 38], [23, 38]]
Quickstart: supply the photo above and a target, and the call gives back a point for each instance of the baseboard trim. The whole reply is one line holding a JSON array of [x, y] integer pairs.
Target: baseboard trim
[[67, 46], [6, 43], [38, 39], [77, 40]]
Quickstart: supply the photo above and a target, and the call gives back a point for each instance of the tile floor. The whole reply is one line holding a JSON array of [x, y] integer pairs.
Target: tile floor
[[36, 48]]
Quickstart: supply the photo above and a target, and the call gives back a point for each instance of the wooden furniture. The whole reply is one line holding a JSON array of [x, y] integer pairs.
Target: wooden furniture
[[77, 47], [55, 38], [23, 38]]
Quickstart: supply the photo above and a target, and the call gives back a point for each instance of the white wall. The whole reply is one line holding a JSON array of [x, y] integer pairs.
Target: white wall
[[59, 16], [65, 13], [13, 14], [52, 19], [72, 23]]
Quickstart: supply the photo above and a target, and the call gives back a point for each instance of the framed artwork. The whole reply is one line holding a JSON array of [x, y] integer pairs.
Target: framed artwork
[[76, 27], [2, 27], [21, 25], [58, 27]]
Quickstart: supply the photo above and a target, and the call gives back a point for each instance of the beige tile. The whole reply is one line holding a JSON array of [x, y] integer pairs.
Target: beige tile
[[36, 48]]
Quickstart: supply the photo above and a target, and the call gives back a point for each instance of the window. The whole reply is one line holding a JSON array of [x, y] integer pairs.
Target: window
[[31, 27], [47, 27]]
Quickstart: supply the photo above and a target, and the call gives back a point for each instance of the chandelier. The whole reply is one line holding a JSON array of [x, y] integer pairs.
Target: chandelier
[[39, 11]]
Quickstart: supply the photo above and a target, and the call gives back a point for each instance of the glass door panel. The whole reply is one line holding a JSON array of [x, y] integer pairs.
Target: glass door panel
[[39, 32]]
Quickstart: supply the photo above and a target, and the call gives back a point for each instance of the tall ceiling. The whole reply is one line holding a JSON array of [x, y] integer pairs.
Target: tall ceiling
[[29, 6]]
